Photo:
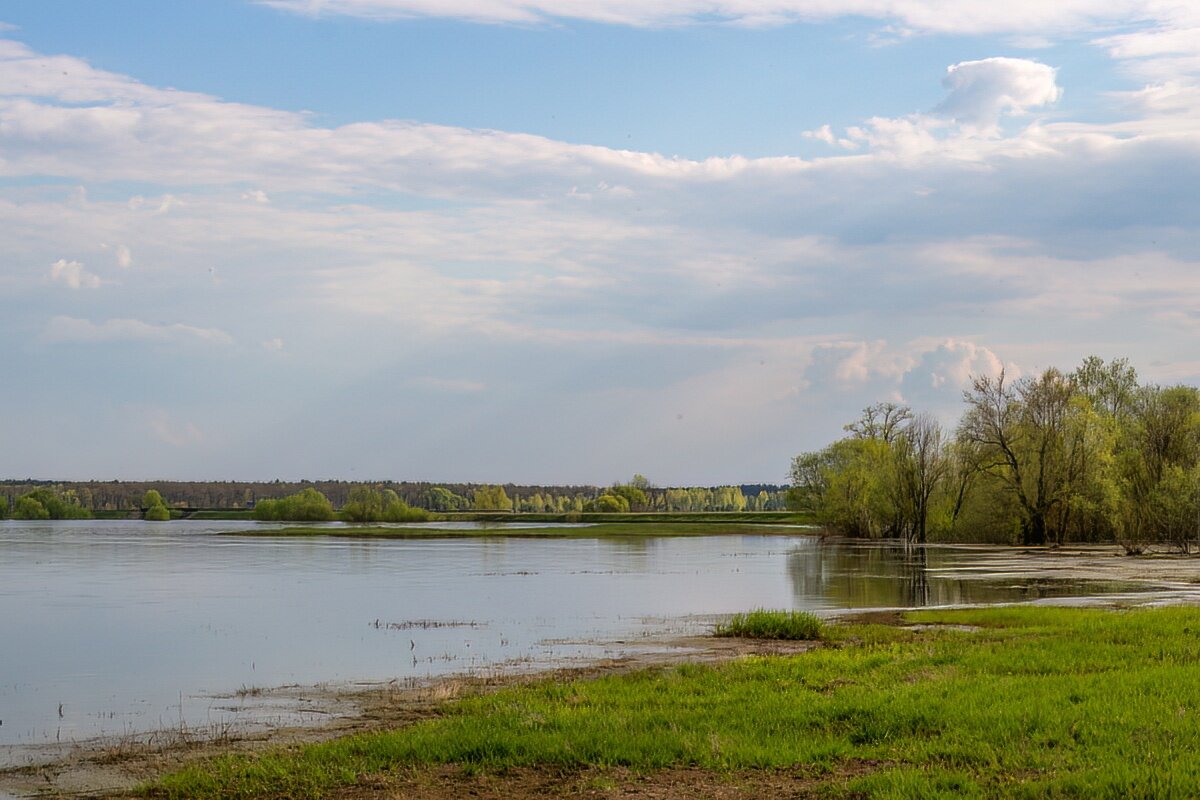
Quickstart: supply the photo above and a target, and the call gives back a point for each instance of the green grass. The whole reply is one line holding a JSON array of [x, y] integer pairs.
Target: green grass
[[764, 624], [231, 513], [591, 531], [1031, 703]]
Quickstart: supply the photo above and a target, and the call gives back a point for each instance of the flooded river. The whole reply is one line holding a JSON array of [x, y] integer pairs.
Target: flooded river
[[115, 628]]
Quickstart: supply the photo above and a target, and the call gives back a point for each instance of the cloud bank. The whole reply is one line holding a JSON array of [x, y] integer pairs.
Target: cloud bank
[[488, 297]]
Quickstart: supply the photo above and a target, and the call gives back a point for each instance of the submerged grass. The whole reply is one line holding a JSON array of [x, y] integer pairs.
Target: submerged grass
[[765, 624], [589, 531], [1027, 702]]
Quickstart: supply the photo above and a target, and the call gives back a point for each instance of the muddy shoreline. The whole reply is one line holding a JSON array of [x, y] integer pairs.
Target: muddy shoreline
[[110, 766]]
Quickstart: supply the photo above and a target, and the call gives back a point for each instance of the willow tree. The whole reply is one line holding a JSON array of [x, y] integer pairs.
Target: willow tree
[[1014, 433]]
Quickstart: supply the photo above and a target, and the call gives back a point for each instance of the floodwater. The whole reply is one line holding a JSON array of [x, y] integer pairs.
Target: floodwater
[[114, 627]]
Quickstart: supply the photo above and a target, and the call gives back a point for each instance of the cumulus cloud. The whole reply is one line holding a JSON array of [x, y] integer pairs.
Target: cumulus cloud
[[72, 329], [937, 376], [72, 275], [983, 91], [532, 264], [849, 363]]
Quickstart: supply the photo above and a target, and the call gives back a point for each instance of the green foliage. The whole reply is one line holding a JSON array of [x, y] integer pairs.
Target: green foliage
[[633, 493], [307, 505], [1049, 458], [851, 486], [3, 506], [44, 503], [491, 498], [1033, 702], [368, 504], [158, 513], [600, 527], [156, 507], [439, 498], [764, 624], [28, 507], [609, 504]]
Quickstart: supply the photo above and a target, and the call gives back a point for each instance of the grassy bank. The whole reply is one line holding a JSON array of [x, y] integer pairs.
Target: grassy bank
[[1028, 702], [591, 531], [223, 514]]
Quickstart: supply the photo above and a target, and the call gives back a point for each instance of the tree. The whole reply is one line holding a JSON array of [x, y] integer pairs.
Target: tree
[[152, 498], [370, 504], [157, 513], [439, 498], [1014, 434], [610, 504], [307, 505], [491, 498], [1111, 388], [45, 503], [29, 507], [635, 496], [880, 421], [922, 467]]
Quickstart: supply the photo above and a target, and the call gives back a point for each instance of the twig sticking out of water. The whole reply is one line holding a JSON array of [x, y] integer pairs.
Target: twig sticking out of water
[[422, 624]]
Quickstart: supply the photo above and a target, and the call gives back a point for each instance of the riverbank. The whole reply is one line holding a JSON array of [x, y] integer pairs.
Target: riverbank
[[534, 530], [339, 711], [1015, 701]]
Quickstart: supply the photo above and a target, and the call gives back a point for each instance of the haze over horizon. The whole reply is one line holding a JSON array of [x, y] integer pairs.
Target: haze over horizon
[[544, 242]]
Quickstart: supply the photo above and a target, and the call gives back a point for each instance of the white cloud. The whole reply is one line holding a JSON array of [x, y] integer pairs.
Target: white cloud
[[983, 91], [124, 257], [449, 384], [781, 292], [71, 329], [937, 376], [849, 364], [168, 431], [963, 16], [72, 275]]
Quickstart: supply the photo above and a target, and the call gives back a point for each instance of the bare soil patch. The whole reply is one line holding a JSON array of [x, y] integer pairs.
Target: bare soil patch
[[453, 782], [109, 768]]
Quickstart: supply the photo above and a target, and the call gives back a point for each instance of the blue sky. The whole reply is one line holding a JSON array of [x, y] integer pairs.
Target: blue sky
[[552, 241]]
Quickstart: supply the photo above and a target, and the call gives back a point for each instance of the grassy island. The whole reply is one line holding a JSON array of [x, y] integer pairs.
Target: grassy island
[[545, 530]]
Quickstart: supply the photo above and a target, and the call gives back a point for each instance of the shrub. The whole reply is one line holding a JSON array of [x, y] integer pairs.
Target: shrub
[[764, 624], [158, 513], [610, 504], [307, 505], [367, 504], [29, 508], [48, 504]]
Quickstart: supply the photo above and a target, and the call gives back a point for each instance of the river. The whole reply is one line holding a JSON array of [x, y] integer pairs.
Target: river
[[114, 627]]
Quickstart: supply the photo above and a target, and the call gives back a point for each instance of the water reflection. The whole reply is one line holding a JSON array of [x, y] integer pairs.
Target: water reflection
[[848, 574], [110, 627]]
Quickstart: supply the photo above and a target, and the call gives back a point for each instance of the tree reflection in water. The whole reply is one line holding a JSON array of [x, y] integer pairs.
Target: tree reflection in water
[[841, 573]]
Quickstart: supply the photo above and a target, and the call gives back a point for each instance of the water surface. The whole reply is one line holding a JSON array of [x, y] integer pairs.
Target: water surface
[[114, 627]]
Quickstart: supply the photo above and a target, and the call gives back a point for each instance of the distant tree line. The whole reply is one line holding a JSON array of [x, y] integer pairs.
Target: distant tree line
[[1090, 455], [131, 496]]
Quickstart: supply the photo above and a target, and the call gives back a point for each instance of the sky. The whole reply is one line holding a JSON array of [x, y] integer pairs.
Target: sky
[[564, 241]]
